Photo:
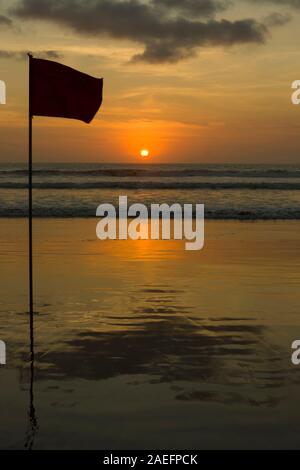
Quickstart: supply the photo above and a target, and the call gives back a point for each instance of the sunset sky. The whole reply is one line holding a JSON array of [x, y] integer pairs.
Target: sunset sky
[[190, 80]]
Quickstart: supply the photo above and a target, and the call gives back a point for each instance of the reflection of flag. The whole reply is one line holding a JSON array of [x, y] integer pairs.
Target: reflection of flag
[[60, 91]]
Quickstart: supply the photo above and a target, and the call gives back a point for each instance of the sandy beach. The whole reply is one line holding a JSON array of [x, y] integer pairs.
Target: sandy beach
[[141, 344]]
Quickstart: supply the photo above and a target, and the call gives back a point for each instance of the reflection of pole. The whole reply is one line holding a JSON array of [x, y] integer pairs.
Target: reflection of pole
[[33, 423]]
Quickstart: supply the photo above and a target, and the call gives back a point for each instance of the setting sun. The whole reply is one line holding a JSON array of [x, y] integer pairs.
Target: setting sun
[[144, 153]]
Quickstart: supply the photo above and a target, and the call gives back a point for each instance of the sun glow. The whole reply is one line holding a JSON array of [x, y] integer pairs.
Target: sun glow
[[144, 153]]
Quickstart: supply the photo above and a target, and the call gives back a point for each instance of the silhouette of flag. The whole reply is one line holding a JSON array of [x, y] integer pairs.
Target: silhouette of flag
[[60, 91]]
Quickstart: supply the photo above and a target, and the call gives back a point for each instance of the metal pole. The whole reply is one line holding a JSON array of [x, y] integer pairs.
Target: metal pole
[[30, 264]]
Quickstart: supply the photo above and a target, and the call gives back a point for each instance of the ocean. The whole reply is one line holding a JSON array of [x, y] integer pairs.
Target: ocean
[[238, 192]]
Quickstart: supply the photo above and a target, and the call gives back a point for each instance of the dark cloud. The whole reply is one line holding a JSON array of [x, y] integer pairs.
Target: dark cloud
[[277, 19], [192, 8], [170, 32], [284, 3], [10, 55], [5, 21], [21, 55], [195, 34], [48, 55]]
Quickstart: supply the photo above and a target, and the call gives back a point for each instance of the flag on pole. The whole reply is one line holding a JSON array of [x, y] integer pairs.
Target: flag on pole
[[55, 90], [60, 91]]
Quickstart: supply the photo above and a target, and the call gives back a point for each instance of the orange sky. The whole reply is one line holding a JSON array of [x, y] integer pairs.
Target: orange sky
[[225, 104]]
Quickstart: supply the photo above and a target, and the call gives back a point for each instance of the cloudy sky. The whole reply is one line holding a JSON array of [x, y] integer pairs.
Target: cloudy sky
[[191, 80]]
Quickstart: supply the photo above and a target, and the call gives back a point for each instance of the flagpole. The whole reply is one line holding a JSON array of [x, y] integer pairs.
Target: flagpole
[[33, 424], [30, 263]]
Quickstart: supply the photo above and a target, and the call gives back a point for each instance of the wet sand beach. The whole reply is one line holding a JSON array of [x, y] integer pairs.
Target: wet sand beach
[[141, 344]]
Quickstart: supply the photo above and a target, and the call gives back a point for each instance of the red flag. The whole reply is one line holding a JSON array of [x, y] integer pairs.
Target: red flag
[[60, 91]]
